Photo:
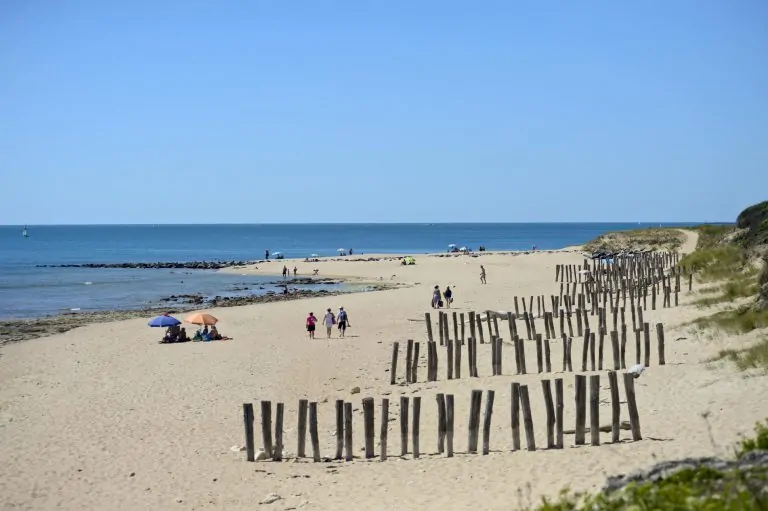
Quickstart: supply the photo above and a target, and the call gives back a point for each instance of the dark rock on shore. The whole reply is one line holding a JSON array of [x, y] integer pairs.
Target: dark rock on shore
[[755, 460], [189, 265]]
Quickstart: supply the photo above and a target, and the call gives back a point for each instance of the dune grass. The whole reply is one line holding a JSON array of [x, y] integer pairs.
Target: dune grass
[[656, 238], [751, 357]]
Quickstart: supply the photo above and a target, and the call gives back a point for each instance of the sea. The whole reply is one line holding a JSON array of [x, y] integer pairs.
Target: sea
[[28, 290]]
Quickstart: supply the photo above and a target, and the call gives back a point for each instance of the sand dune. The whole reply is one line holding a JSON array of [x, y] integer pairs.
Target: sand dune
[[103, 417]]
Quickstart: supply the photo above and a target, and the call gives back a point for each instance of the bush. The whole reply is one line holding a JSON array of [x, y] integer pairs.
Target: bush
[[759, 443]]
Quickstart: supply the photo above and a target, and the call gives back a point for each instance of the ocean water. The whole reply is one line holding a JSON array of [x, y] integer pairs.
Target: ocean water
[[30, 291]]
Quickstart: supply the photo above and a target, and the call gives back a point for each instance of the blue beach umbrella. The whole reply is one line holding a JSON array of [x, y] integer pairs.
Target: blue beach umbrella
[[164, 321]]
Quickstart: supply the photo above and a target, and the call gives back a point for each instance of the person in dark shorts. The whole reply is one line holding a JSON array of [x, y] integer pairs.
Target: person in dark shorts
[[448, 295], [343, 321], [311, 320]]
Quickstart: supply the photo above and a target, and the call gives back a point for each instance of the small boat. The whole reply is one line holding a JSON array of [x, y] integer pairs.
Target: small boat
[[24, 232]]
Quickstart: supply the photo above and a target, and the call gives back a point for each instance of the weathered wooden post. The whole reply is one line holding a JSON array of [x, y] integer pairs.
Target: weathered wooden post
[[313, 435], [428, 320], [266, 427], [416, 418], [348, 447], [250, 450], [592, 350], [559, 406], [393, 370], [525, 404], [441, 423], [487, 422], [403, 425], [414, 368], [615, 349], [600, 348], [647, 346], [449, 425], [615, 407], [585, 349], [408, 361], [547, 356], [634, 418], [277, 455], [539, 353], [515, 416], [369, 426], [384, 428], [594, 408], [449, 363], [660, 339], [474, 420], [581, 409], [339, 429], [623, 346], [547, 388]]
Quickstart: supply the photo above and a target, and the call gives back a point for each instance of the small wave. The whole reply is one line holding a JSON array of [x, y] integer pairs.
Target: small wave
[[75, 309], [87, 283]]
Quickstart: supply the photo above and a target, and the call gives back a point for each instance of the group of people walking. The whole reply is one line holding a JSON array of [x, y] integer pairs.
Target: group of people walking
[[440, 299], [329, 320]]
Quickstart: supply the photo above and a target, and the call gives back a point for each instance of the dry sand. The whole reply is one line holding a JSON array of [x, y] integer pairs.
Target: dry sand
[[104, 417]]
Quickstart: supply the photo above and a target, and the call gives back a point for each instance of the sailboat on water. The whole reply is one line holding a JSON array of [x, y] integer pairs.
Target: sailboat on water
[[25, 233]]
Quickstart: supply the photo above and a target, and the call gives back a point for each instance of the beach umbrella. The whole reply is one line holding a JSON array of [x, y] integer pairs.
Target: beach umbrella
[[164, 321], [313, 255], [463, 249], [201, 318], [342, 250]]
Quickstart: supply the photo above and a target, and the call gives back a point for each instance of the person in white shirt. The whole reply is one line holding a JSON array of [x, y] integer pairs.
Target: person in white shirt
[[329, 320]]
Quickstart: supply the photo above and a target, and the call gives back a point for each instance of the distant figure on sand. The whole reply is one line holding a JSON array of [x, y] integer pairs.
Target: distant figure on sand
[[482, 275], [294, 271], [266, 255], [343, 321], [329, 320], [448, 294], [311, 320], [437, 301], [285, 271]]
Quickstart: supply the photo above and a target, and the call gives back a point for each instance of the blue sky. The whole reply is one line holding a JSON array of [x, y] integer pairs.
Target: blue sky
[[257, 111]]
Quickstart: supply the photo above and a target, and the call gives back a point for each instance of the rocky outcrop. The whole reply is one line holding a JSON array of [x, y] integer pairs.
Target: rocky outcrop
[[188, 265], [755, 462]]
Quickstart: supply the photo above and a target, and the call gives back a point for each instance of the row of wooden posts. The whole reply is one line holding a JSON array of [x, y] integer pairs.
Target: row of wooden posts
[[623, 266], [592, 351], [519, 401]]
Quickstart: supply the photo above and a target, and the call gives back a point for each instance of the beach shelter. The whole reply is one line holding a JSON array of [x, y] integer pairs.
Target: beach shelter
[[163, 321], [201, 318]]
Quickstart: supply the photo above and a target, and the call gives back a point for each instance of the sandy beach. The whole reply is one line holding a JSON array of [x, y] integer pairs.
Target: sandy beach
[[104, 417]]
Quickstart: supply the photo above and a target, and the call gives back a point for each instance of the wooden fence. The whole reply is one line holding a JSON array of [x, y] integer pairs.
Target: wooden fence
[[410, 417], [592, 346]]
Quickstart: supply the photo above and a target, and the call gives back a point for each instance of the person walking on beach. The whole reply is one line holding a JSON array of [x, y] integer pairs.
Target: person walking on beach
[[311, 321], [482, 275], [343, 321], [448, 295], [266, 254], [294, 271], [436, 298], [285, 271], [329, 320]]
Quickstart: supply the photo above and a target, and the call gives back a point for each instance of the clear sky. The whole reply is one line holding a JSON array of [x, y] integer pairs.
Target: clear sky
[[324, 111]]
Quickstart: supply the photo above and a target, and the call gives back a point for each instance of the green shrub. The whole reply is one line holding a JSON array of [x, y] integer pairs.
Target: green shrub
[[752, 357], [739, 321], [758, 443]]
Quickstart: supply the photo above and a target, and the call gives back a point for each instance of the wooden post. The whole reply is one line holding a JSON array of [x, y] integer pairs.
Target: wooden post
[[480, 328], [581, 409], [384, 428], [408, 361], [415, 362], [592, 350], [594, 408], [525, 404], [615, 349], [250, 450], [348, 447], [457, 359], [660, 338], [600, 349], [313, 436], [647, 343], [474, 420], [547, 388], [493, 356], [449, 425], [455, 327], [623, 346], [585, 350], [440, 324], [369, 426], [441, 423], [638, 350], [634, 418], [416, 418], [461, 316], [539, 354], [403, 425], [521, 345], [615, 407], [339, 429], [277, 454], [393, 370], [559, 406], [487, 422], [266, 427], [639, 317], [449, 362], [470, 355], [515, 416], [472, 326], [429, 326], [517, 309], [547, 356], [578, 323]]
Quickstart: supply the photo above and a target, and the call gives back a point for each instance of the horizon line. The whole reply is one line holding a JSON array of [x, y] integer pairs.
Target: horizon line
[[678, 223]]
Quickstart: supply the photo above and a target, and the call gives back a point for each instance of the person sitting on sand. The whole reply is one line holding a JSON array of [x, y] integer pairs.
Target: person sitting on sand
[[214, 333], [183, 335]]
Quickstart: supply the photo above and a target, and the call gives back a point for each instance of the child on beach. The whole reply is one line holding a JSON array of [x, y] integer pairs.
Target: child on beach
[[329, 320], [311, 320]]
